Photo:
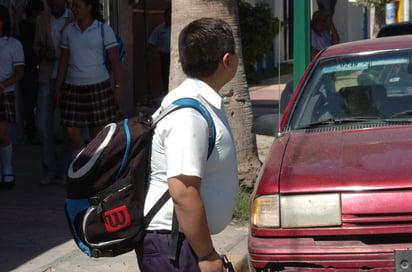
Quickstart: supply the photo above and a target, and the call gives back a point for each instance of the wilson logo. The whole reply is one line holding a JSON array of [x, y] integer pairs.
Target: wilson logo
[[116, 219]]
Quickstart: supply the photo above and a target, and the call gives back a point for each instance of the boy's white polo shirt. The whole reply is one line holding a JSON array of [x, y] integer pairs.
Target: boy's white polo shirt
[[86, 63], [180, 146], [11, 55]]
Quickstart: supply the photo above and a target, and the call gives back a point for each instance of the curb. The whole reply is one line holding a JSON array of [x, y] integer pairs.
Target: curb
[[239, 262]]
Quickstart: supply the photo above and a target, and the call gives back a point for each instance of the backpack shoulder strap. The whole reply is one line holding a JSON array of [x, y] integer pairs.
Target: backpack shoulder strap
[[101, 24], [195, 104], [178, 104]]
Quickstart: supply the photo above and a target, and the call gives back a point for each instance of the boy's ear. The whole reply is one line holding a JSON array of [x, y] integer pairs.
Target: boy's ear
[[226, 61]]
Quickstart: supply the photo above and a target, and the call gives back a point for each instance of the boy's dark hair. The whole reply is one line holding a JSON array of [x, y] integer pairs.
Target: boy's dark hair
[[33, 5], [5, 18], [202, 45]]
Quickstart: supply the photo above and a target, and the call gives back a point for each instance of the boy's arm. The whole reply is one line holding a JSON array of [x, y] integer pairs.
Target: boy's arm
[[190, 212]]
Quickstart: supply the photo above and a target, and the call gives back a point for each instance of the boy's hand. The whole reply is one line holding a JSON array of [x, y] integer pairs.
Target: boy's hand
[[213, 264]]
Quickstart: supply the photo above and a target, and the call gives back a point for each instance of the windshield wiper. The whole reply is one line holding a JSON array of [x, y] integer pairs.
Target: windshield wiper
[[339, 121], [402, 113]]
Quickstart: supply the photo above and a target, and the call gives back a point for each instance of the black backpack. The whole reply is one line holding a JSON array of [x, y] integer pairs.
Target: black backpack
[[107, 184]]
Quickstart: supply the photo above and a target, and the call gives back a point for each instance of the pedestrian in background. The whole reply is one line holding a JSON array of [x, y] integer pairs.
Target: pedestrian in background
[[29, 83], [11, 71], [203, 190], [83, 86], [160, 39], [50, 25], [323, 32]]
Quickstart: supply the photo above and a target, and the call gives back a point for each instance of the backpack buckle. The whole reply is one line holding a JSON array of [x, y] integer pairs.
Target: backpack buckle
[[96, 253], [94, 200]]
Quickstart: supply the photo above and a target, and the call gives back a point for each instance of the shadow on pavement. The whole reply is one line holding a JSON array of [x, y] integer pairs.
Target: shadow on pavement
[[32, 219]]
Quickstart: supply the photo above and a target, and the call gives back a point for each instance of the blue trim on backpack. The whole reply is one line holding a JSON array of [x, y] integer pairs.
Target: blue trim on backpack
[[190, 102], [74, 207], [127, 151]]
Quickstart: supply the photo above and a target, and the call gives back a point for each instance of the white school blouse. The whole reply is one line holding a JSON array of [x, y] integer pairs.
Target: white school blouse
[[86, 62], [11, 55]]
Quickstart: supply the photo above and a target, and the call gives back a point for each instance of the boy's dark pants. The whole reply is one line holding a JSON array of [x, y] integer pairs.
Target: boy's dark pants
[[153, 254]]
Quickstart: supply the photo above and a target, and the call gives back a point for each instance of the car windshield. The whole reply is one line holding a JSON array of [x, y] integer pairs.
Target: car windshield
[[356, 88]]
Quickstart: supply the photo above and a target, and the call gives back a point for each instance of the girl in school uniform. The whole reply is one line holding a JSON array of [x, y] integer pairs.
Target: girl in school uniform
[[83, 86], [11, 71]]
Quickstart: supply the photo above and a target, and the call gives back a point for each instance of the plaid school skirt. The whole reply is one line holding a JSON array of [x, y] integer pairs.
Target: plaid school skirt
[[88, 105], [7, 107]]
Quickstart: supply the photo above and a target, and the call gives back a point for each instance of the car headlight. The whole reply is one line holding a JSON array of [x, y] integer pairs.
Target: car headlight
[[312, 210], [296, 211], [265, 211]]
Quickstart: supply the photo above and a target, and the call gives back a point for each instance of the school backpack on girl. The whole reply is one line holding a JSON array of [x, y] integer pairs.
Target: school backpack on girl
[[120, 45], [107, 183]]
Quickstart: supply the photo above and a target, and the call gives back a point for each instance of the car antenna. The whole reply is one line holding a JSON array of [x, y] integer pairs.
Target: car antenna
[[279, 91]]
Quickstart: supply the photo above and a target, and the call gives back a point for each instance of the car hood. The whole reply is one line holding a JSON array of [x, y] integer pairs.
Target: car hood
[[368, 159]]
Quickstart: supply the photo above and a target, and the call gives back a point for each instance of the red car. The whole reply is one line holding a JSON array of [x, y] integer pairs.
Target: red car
[[335, 191]]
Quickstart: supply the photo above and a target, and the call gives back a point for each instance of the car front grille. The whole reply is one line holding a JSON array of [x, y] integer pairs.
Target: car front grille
[[376, 219], [380, 212]]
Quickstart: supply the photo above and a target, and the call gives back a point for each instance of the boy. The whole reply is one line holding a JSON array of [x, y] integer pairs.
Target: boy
[[203, 190]]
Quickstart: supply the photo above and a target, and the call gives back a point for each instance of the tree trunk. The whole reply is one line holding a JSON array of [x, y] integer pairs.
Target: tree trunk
[[236, 95], [380, 16]]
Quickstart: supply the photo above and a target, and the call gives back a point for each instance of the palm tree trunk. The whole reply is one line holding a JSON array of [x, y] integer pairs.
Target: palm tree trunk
[[236, 95]]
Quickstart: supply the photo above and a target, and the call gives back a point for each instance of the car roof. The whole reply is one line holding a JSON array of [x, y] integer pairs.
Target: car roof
[[403, 28], [384, 43]]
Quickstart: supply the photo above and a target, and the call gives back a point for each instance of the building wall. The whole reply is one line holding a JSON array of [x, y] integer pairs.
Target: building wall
[[355, 28]]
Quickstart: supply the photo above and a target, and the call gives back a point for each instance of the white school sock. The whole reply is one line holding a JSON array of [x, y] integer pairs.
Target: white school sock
[[6, 157]]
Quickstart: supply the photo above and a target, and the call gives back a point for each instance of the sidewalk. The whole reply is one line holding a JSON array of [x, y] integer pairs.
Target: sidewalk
[[35, 236], [270, 89], [34, 233]]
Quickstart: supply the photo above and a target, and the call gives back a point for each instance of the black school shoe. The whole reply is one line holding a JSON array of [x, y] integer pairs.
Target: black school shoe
[[7, 185]]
